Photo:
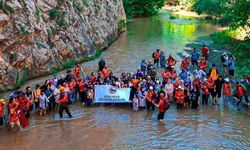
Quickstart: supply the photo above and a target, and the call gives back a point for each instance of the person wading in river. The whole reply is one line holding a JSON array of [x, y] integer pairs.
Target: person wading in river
[[101, 64], [205, 51], [2, 102], [151, 97], [12, 107], [156, 56], [179, 97], [227, 90], [63, 103], [163, 105]]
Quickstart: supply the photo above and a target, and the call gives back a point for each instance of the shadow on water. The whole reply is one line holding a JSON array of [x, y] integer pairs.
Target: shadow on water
[[117, 126]]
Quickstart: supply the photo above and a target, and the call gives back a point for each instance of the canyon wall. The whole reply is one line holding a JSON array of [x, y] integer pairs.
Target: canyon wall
[[37, 35]]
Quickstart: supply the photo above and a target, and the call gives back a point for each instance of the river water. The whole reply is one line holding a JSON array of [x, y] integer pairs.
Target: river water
[[117, 126]]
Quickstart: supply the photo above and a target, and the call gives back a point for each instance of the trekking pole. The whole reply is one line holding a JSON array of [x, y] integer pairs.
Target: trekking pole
[[147, 115]]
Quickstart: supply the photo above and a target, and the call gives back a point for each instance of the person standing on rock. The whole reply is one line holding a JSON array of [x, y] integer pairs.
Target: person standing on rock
[[231, 66], [205, 51], [213, 72], [203, 64], [101, 64], [171, 61], [194, 58], [144, 66], [224, 60], [185, 63], [63, 103]]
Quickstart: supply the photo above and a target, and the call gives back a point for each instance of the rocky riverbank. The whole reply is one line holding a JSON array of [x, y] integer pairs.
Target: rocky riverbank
[[37, 37]]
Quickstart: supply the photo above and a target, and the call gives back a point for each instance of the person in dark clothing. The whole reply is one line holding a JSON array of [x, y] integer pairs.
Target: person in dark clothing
[[218, 87], [61, 81], [195, 98], [69, 76], [101, 64], [152, 73]]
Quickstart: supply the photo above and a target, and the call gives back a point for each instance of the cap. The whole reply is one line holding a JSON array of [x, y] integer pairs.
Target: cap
[[179, 87], [227, 79], [151, 88], [62, 89], [157, 81], [205, 79]]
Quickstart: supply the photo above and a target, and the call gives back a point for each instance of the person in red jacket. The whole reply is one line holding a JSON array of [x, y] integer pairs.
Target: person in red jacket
[[205, 92], [211, 88], [205, 51], [185, 63], [179, 97], [2, 102], [227, 90], [173, 74], [203, 64], [151, 97], [165, 76], [12, 108], [63, 102], [171, 61], [77, 70], [239, 93], [163, 101], [156, 56]]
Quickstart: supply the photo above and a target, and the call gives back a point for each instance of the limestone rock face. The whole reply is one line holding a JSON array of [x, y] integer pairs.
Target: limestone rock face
[[36, 35]]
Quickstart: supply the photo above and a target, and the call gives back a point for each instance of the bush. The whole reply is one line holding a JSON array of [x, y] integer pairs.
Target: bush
[[142, 8], [69, 64]]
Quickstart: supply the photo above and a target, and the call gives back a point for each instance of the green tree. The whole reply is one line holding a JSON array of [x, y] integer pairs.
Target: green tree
[[142, 7]]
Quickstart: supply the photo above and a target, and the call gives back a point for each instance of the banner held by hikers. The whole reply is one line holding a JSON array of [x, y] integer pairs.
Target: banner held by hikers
[[111, 94]]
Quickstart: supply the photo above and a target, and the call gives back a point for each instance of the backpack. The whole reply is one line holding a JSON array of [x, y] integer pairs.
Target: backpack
[[166, 105], [153, 54], [223, 59], [70, 97]]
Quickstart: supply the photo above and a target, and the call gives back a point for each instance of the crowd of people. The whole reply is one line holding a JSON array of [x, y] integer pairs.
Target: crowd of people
[[193, 86]]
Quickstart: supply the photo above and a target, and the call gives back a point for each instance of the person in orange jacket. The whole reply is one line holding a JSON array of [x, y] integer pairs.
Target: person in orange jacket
[[173, 74], [203, 64], [239, 93], [165, 76], [2, 102], [63, 102], [171, 61], [227, 90], [211, 88], [12, 108], [179, 97], [151, 98], [156, 56], [205, 92], [77, 70], [185, 63]]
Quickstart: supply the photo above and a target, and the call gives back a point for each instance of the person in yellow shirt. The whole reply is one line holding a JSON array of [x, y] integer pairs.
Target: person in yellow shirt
[[213, 73]]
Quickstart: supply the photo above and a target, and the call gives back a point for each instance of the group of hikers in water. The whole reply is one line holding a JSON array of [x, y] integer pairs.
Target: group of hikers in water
[[191, 87]]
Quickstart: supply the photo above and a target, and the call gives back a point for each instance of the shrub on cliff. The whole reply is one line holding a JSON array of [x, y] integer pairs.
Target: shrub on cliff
[[134, 8]]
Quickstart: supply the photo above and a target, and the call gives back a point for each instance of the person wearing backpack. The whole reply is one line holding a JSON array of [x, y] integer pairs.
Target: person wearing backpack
[[63, 103], [194, 58], [224, 60], [156, 56], [163, 106]]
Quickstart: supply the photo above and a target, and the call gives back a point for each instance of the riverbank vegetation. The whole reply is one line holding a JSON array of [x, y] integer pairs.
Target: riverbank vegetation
[[140, 8], [233, 14]]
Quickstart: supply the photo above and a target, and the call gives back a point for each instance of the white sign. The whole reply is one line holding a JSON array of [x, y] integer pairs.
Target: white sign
[[111, 94]]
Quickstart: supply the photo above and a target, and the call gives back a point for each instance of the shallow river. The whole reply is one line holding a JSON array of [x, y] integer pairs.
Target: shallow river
[[117, 126]]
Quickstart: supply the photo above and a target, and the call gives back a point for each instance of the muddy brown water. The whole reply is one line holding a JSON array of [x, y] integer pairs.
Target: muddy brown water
[[117, 126]]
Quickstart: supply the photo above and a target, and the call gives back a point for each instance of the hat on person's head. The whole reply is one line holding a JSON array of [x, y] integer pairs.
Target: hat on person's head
[[2, 101], [61, 88], [205, 79], [144, 80], [151, 88], [227, 79], [179, 87], [157, 81], [61, 76], [224, 53]]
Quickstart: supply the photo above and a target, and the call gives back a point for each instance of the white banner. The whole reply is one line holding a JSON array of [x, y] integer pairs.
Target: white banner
[[111, 94]]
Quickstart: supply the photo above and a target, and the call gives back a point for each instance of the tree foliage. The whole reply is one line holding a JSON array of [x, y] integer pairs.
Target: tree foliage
[[142, 7]]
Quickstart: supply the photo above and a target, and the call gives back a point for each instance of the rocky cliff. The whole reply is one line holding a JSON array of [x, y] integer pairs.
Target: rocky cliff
[[37, 35]]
